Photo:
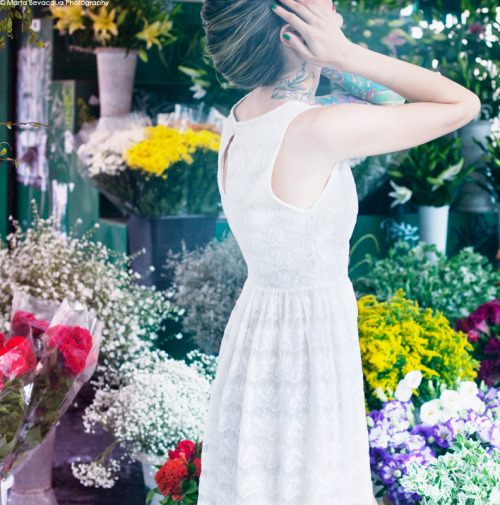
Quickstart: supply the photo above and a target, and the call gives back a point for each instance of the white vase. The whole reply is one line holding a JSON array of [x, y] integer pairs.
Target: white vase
[[116, 72], [149, 471], [433, 224]]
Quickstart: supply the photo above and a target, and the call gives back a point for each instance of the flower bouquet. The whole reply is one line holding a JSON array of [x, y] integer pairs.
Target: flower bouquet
[[419, 428], [154, 170], [179, 477], [483, 330], [69, 348], [397, 336], [158, 401]]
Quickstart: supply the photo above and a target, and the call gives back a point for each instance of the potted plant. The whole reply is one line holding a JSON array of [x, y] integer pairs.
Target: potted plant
[[117, 32], [429, 176]]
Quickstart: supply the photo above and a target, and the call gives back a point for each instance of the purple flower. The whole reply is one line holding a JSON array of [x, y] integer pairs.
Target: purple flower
[[390, 470], [428, 454], [495, 434], [476, 28], [456, 425], [493, 347], [415, 443], [379, 437], [422, 429], [443, 435]]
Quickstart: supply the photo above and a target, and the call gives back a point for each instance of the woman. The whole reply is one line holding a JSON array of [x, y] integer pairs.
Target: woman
[[286, 423]]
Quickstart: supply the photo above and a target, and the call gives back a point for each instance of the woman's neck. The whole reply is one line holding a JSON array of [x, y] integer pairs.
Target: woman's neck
[[300, 84]]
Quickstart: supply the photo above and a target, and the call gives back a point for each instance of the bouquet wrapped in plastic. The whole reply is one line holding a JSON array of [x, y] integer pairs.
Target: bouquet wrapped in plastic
[[146, 170], [44, 369]]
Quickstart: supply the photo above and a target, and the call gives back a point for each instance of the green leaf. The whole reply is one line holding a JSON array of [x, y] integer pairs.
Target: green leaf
[[150, 495], [3, 152], [143, 55]]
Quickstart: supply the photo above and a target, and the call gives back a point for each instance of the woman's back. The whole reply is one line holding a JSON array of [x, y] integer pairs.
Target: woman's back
[[284, 245]]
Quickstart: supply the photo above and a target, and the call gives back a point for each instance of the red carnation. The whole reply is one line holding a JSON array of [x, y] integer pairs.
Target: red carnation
[[185, 446], [169, 477], [197, 462], [21, 323]]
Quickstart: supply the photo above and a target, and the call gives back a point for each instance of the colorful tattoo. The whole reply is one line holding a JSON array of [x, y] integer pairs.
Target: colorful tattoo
[[364, 89], [300, 87]]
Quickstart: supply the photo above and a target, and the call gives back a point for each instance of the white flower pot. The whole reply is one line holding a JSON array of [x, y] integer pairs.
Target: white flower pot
[[116, 72], [433, 224]]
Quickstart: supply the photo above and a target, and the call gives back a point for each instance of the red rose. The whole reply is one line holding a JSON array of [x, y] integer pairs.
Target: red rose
[[169, 477], [185, 446], [197, 462], [17, 358], [21, 323], [73, 344]]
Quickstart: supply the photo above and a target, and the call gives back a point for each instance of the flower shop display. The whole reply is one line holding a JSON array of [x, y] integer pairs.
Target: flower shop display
[[118, 32], [454, 286], [468, 475], [483, 331], [429, 176], [178, 478], [422, 426], [206, 285], [46, 263], [157, 402], [397, 337], [154, 170]]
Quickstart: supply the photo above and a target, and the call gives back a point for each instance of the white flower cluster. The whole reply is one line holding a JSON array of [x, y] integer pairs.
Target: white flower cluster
[[45, 263], [159, 402], [453, 404], [97, 473], [105, 141]]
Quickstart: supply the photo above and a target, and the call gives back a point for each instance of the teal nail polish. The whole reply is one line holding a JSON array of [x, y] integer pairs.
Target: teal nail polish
[[273, 6], [286, 36]]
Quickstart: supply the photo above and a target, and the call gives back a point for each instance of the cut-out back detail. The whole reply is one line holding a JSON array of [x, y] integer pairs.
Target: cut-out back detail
[[224, 165]]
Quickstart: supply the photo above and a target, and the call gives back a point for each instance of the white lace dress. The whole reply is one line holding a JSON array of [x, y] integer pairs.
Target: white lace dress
[[286, 423]]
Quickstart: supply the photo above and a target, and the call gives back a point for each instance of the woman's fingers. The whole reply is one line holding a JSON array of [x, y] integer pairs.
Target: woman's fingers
[[302, 10], [291, 18], [296, 43]]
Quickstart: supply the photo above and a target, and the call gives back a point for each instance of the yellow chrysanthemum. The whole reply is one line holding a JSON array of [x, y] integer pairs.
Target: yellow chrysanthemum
[[165, 146], [397, 337], [70, 17]]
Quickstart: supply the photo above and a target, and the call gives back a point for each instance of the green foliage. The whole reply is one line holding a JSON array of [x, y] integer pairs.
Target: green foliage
[[466, 475], [492, 158], [455, 286], [432, 172], [25, 17], [207, 283]]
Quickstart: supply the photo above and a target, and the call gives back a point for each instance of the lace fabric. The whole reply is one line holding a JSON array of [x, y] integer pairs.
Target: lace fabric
[[286, 423]]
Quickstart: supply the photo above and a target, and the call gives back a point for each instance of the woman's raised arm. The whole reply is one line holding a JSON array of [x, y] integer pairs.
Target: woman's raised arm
[[437, 105]]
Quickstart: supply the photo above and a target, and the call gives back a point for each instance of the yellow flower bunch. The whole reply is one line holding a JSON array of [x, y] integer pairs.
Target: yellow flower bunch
[[397, 337], [165, 146]]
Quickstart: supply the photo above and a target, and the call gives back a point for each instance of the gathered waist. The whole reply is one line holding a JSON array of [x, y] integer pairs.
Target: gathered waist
[[332, 284]]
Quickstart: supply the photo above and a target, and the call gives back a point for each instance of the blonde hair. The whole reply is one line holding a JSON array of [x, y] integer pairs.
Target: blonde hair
[[243, 40]]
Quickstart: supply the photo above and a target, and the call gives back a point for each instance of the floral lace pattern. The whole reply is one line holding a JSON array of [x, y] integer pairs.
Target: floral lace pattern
[[286, 422]]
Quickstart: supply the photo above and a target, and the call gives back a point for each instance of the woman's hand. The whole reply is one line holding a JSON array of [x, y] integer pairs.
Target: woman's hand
[[323, 43]]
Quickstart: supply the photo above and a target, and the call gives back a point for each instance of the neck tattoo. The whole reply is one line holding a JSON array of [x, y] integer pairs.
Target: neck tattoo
[[300, 87]]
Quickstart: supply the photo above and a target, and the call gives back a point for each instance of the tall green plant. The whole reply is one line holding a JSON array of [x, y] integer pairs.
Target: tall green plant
[[430, 174]]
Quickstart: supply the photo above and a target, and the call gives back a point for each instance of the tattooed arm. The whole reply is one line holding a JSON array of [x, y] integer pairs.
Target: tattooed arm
[[351, 88]]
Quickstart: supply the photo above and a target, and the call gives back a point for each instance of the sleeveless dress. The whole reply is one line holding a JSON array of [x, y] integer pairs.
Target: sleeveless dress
[[286, 422]]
